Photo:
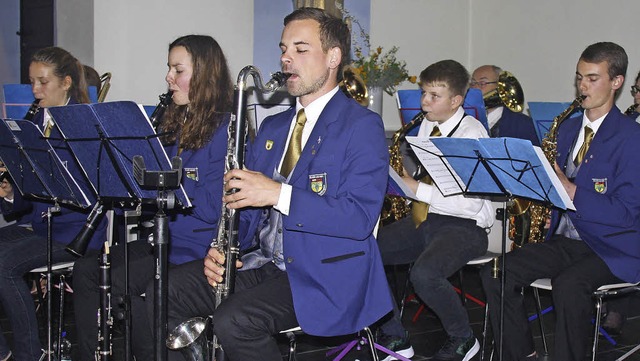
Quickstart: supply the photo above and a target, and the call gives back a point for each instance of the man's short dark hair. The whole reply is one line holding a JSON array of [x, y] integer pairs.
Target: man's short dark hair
[[333, 31], [450, 72], [612, 53]]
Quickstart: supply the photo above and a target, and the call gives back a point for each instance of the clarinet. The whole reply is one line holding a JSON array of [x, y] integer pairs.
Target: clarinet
[[188, 336], [33, 109], [105, 319], [158, 112], [227, 240]]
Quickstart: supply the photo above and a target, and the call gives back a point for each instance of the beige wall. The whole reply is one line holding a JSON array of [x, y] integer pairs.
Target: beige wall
[[539, 41]]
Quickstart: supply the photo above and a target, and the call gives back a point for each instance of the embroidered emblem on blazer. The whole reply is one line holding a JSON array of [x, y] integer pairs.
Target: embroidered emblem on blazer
[[318, 183], [600, 184], [191, 173]]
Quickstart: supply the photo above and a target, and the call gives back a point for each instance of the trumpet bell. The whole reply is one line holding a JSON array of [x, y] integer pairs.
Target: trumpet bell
[[508, 93], [190, 338]]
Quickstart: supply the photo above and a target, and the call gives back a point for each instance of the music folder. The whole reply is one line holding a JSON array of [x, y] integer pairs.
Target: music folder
[[491, 166], [105, 137], [34, 166]]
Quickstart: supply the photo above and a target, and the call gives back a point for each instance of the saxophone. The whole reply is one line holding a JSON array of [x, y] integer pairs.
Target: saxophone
[[396, 207], [189, 336], [540, 213]]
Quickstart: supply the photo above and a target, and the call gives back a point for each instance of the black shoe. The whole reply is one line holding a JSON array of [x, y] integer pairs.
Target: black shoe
[[399, 345], [457, 349]]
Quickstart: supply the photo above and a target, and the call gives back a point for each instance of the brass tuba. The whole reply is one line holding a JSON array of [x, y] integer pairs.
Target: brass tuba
[[353, 86], [508, 93]]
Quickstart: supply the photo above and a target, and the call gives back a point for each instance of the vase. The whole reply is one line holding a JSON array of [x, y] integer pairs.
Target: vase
[[375, 99]]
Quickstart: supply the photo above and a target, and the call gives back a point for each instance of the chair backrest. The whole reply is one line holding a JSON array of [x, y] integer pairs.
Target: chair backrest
[[408, 101], [18, 99]]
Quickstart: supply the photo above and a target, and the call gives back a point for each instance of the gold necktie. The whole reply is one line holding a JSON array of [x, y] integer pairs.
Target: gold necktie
[[295, 145], [47, 129], [419, 210], [588, 136]]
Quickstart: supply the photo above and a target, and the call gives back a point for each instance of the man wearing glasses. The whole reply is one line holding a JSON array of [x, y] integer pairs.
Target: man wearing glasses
[[502, 121]]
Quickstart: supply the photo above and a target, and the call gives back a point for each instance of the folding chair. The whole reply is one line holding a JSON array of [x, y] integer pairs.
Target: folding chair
[[601, 293]]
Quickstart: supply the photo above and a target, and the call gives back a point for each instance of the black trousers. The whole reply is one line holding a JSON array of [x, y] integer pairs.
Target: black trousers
[[575, 272], [246, 321], [86, 298]]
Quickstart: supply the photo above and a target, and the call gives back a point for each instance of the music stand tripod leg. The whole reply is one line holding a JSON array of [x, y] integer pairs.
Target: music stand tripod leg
[[46, 355]]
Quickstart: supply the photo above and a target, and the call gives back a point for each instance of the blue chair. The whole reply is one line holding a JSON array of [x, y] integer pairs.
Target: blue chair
[[18, 99]]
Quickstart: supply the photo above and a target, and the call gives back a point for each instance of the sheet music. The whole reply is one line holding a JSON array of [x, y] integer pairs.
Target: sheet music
[[443, 175], [397, 187], [568, 203]]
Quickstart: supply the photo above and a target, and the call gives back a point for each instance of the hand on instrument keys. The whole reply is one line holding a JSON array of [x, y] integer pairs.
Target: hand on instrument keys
[[213, 269], [569, 186], [254, 189]]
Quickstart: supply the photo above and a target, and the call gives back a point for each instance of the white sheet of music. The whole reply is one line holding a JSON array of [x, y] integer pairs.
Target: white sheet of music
[[568, 203], [443, 175]]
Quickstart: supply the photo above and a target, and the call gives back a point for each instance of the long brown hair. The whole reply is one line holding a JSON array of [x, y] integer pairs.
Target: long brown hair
[[210, 94], [63, 64]]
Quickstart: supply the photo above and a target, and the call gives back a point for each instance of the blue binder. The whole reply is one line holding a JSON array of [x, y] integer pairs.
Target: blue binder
[[543, 114]]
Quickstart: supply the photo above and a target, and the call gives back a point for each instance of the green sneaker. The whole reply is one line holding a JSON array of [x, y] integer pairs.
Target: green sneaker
[[399, 345], [457, 349]]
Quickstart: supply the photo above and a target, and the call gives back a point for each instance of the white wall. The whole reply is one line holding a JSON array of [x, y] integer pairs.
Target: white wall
[[74, 28], [132, 38], [539, 41]]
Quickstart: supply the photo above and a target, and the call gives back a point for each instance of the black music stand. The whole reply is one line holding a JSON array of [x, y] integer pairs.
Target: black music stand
[[38, 172], [492, 167], [105, 143]]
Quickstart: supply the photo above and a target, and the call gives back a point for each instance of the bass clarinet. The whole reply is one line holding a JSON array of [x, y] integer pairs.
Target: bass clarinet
[[226, 241], [105, 319]]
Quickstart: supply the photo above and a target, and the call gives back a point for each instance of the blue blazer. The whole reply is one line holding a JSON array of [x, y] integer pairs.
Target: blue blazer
[[607, 197], [67, 224], [331, 255], [192, 230], [515, 125]]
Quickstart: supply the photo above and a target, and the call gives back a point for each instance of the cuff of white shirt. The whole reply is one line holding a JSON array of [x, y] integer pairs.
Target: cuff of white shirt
[[8, 200], [284, 201], [425, 192]]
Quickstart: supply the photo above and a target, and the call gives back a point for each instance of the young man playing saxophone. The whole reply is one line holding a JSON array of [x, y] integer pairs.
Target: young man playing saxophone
[[599, 242]]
